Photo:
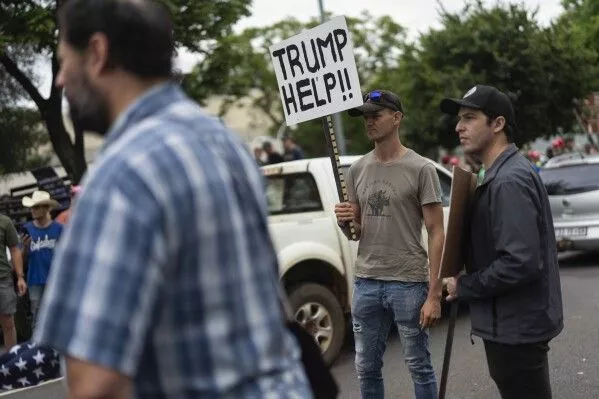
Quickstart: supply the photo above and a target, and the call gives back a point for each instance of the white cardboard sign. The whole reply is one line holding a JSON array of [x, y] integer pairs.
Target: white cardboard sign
[[316, 72]]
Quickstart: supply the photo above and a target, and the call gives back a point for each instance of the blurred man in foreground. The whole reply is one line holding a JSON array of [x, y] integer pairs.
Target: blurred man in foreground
[[165, 285]]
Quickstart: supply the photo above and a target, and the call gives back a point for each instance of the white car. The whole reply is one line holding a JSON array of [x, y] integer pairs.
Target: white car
[[316, 260]]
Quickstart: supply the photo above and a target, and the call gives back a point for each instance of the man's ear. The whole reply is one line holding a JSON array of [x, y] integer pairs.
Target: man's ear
[[97, 54], [398, 116], [499, 124]]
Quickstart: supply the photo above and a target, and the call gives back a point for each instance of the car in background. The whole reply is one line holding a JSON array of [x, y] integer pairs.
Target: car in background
[[564, 159], [573, 188]]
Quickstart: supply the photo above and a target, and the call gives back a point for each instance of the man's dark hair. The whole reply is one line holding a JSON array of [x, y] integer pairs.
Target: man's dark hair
[[508, 129], [139, 32]]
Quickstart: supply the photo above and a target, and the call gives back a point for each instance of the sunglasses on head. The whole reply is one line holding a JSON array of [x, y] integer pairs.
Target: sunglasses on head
[[375, 96]]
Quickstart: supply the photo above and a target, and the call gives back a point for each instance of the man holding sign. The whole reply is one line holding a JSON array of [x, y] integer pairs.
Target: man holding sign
[[392, 190], [512, 282]]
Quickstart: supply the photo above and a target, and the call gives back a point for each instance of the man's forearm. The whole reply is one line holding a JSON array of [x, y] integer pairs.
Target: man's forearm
[[435, 249], [123, 393], [17, 261], [87, 381]]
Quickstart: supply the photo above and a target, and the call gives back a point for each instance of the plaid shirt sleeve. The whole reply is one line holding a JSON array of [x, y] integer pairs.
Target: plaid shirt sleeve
[[106, 268]]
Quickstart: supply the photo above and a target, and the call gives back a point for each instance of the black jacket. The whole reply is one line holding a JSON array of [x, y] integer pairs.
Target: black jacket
[[512, 280]]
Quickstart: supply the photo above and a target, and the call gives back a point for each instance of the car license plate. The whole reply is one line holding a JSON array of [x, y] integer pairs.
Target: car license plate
[[571, 232]]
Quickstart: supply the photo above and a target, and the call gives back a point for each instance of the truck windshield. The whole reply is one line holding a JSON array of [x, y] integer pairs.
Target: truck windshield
[[292, 193]]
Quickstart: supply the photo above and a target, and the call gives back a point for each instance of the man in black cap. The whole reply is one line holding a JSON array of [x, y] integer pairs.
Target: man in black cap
[[392, 191], [512, 278]]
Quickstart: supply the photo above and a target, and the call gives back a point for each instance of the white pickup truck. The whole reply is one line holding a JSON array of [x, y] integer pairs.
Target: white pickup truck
[[316, 261]]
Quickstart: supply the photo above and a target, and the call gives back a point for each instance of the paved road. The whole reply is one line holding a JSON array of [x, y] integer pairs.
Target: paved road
[[574, 355]]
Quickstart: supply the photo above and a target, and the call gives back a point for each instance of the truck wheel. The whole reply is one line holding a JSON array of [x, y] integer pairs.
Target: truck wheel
[[318, 311]]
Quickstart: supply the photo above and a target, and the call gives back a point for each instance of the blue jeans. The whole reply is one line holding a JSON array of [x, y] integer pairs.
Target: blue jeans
[[35, 298], [376, 304]]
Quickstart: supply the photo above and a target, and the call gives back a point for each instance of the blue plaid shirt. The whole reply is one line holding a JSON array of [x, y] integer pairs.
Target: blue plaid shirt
[[166, 272]]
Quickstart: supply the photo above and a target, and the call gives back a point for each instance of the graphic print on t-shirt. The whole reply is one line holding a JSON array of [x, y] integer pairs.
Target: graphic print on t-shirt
[[379, 194], [40, 243]]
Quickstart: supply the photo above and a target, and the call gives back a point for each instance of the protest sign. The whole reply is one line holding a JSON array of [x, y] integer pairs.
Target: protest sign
[[463, 184], [316, 72], [317, 77]]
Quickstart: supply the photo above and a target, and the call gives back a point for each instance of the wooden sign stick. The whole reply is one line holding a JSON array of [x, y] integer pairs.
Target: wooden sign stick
[[331, 137]]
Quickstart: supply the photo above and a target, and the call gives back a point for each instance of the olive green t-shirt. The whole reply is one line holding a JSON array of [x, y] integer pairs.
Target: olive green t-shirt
[[391, 196], [8, 239]]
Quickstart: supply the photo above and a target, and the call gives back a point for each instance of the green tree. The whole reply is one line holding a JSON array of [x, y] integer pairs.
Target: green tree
[[241, 66], [20, 127], [543, 71], [21, 133], [581, 20], [580, 24], [32, 24]]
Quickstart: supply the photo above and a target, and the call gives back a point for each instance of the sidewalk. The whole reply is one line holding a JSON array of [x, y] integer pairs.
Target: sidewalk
[[53, 389]]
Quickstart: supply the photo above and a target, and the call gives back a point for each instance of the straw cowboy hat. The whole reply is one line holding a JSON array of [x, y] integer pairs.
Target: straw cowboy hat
[[39, 198]]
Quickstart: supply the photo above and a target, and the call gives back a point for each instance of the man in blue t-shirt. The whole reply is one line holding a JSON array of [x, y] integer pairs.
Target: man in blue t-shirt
[[39, 242]]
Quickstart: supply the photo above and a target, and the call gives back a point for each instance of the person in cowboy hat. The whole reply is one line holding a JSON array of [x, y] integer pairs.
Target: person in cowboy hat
[[38, 244]]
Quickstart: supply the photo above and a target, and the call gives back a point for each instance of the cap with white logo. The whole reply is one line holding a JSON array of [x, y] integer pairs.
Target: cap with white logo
[[484, 98]]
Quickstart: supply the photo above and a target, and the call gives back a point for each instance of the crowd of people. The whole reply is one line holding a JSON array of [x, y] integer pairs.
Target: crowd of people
[[559, 146], [164, 282], [566, 145], [31, 248], [267, 155]]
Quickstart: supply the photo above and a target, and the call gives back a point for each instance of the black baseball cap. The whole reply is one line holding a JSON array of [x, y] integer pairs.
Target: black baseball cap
[[485, 98], [375, 101]]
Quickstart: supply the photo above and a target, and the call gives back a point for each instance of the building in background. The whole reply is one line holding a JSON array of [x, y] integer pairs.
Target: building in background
[[249, 122]]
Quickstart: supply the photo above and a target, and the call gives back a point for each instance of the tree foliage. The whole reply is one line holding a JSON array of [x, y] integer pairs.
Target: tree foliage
[[581, 20], [503, 46], [31, 24], [21, 134], [542, 68], [20, 127]]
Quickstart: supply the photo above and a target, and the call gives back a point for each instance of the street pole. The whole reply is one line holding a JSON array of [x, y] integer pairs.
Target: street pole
[[336, 117]]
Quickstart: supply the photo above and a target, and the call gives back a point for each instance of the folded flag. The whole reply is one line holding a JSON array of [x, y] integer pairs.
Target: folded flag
[[27, 365]]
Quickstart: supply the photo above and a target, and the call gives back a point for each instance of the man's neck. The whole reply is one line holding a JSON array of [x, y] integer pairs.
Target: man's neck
[[126, 91], [489, 157], [389, 149], [43, 222]]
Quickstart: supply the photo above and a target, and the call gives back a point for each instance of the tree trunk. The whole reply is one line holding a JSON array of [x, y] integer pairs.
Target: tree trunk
[[73, 153], [71, 156], [80, 162]]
